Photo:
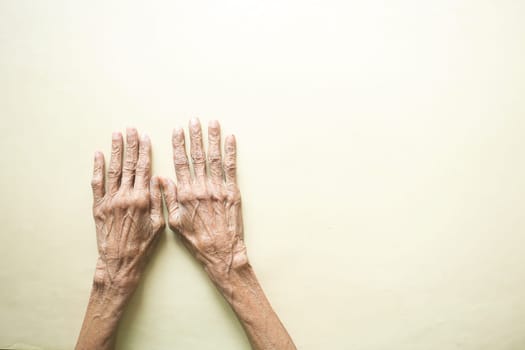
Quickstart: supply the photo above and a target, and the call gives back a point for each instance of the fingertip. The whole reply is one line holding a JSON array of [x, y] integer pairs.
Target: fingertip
[[116, 136], [230, 140], [177, 134], [214, 127], [97, 155], [145, 140], [131, 132], [195, 122]]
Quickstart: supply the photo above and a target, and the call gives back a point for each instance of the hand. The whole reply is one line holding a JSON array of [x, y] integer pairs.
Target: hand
[[129, 220], [206, 209], [128, 216]]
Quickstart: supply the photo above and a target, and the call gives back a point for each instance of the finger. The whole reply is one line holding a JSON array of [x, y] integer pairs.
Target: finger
[[97, 182], [170, 196], [235, 223], [156, 201], [230, 160], [180, 159], [115, 164], [198, 156], [214, 151], [130, 162], [143, 172]]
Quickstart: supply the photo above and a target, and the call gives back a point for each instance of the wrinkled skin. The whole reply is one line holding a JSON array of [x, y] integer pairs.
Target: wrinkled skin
[[206, 210], [128, 216], [129, 220]]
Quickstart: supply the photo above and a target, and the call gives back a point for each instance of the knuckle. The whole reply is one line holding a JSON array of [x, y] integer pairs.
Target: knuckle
[[141, 202], [114, 172], [198, 160], [129, 165], [143, 163], [120, 202], [185, 195], [140, 171], [98, 214], [197, 154], [179, 157], [230, 164], [214, 157], [233, 197], [200, 191], [96, 182], [181, 165], [217, 193], [106, 210]]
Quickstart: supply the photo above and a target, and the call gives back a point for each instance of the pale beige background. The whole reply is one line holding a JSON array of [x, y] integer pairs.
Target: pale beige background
[[381, 162]]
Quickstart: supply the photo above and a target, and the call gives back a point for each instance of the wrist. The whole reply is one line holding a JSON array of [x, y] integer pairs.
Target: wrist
[[229, 273], [108, 300], [109, 297], [235, 281], [115, 285]]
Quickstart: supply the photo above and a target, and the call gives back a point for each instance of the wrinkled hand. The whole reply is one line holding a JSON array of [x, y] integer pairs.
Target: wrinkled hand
[[128, 216], [206, 209]]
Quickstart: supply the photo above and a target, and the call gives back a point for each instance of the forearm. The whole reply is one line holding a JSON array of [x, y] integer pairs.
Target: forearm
[[104, 311], [242, 291]]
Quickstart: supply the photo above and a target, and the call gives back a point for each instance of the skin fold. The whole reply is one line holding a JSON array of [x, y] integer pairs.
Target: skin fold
[[204, 209]]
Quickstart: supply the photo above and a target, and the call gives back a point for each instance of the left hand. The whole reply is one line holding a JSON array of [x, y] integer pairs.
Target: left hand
[[206, 209]]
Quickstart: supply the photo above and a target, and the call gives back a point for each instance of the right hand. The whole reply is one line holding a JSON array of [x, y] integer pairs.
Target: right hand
[[128, 216]]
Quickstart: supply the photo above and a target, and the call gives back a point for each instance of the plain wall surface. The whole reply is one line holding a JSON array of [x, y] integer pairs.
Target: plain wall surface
[[381, 164]]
